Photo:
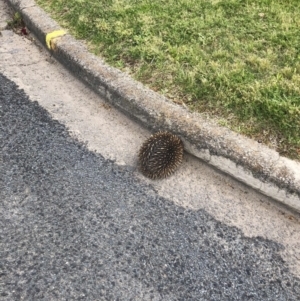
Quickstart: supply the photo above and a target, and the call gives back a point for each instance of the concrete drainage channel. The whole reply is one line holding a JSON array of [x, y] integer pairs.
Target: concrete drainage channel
[[242, 158]]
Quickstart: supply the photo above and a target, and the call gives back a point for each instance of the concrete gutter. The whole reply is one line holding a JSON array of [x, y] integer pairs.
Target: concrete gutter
[[242, 158]]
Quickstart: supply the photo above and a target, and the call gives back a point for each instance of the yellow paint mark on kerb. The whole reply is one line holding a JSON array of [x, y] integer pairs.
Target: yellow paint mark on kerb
[[52, 35]]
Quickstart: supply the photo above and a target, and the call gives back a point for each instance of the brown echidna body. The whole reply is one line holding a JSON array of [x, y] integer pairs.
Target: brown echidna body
[[160, 155]]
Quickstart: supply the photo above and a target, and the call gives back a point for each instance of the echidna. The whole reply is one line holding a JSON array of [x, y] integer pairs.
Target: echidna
[[160, 155]]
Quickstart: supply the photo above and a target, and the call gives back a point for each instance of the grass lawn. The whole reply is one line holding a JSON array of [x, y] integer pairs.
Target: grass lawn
[[235, 60]]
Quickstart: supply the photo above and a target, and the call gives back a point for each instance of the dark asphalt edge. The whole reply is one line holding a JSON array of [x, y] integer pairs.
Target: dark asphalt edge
[[242, 158]]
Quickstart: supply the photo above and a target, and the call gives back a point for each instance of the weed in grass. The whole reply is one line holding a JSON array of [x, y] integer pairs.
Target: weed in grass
[[226, 57]]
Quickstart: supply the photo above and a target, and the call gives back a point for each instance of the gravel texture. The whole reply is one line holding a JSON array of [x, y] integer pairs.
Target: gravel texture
[[75, 226]]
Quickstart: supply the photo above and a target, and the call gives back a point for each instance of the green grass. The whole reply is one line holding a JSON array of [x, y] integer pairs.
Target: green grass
[[237, 60]]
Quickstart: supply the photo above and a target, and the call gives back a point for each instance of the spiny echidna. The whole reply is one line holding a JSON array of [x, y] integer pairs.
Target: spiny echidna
[[160, 155]]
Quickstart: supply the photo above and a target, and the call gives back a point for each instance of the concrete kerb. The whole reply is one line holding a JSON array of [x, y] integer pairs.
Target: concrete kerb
[[244, 159]]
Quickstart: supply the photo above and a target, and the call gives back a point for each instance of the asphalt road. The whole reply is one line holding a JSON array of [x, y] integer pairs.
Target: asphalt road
[[75, 226]]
